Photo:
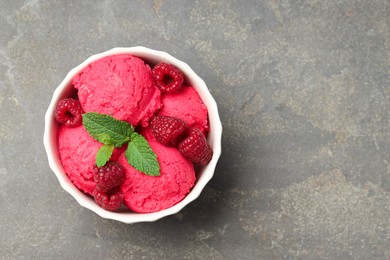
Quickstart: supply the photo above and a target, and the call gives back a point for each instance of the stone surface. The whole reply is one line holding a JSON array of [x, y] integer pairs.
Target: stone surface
[[303, 89]]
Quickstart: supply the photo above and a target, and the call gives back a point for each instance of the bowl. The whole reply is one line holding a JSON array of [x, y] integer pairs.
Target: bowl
[[151, 57]]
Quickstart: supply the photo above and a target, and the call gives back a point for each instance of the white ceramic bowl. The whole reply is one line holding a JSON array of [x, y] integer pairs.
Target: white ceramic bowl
[[151, 57]]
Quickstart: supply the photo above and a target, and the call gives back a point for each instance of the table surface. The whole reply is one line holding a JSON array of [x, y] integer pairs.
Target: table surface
[[303, 89]]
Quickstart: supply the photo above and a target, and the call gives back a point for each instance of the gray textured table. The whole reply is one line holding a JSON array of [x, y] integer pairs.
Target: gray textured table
[[303, 89]]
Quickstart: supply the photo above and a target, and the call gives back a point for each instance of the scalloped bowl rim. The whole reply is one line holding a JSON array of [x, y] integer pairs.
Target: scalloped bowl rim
[[214, 137]]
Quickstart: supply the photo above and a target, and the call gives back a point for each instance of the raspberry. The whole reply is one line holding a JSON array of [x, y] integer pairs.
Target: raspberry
[[167, 77], [68, 112], [108, 176], [168, 130], [195, 147], [110, 201]]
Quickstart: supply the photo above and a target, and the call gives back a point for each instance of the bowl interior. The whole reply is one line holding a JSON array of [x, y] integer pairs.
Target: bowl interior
[[152, 57]]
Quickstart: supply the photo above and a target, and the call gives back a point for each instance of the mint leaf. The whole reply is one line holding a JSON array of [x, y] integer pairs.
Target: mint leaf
[[104, 154], [106, 129], [140, 155]]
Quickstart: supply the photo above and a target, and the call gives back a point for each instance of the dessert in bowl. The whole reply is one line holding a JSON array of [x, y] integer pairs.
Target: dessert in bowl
[[169, 134]]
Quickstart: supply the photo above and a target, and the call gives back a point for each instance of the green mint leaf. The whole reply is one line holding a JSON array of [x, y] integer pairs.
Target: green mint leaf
[[106, 129], [104, 154], [140, 155]]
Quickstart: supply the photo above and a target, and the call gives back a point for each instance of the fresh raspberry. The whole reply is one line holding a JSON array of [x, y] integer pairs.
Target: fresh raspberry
[[168, 130], [195, 147], [108, 176], [110, 201], [68, 112], [168, 77]]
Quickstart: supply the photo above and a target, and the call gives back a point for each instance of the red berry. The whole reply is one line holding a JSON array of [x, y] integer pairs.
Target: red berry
[[167, 77], [68, 112], [110, 201], [168, 130], [108, 176], [195, 147]]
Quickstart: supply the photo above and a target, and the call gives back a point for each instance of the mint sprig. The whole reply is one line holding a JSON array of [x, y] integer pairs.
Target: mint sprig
[[115, 133]]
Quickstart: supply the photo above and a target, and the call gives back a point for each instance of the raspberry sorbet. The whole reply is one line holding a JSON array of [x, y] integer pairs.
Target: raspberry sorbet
[[124, 87]]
